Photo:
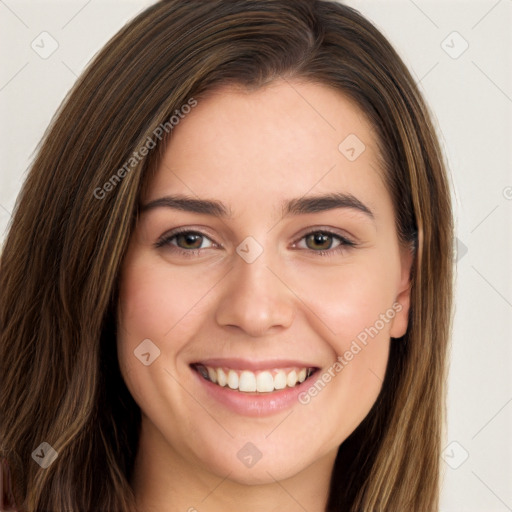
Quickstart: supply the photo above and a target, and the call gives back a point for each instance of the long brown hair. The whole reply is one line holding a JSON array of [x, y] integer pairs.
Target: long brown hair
[[60, 264]]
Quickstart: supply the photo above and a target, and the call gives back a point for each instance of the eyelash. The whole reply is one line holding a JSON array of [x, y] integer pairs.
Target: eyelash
[[165, 241]]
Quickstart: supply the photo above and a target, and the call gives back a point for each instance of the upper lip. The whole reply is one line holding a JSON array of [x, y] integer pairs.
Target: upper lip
[[251, 364]]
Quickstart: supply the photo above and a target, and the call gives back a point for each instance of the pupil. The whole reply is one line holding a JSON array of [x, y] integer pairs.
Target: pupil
[[191, 239], [321, 239]]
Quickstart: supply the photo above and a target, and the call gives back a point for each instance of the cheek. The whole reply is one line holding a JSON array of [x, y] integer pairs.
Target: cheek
[[155, 300], [161, 304], [351, 306], [349, 299], [155, 304]]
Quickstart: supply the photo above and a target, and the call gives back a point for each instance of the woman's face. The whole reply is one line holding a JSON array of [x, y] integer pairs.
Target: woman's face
[[266, 251]]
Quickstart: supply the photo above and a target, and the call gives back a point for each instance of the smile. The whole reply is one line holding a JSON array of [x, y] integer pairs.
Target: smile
[[248, 381]]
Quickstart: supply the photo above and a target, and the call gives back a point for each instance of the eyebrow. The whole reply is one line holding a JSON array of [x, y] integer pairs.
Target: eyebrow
[[298, 206], [326, 202]]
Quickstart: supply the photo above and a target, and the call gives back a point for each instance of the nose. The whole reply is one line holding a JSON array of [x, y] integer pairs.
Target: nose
[[256, 299]]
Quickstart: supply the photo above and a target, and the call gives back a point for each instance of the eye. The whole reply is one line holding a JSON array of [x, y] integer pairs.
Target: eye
[[324, 242], [185, 241], [190, 243]]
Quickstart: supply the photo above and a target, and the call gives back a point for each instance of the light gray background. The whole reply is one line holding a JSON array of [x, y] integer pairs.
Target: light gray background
[[471, 97]]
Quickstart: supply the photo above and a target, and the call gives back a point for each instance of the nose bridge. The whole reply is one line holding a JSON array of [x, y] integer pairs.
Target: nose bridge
[[255, 280], [254, 300]]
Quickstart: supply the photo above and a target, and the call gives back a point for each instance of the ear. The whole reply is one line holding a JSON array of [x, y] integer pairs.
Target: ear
[[403, 299]]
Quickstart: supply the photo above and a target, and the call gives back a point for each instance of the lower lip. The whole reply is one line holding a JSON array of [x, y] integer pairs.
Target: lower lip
[[255, 404]]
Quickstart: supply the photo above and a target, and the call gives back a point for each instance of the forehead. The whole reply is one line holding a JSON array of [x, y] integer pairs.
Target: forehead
[[287, 139]]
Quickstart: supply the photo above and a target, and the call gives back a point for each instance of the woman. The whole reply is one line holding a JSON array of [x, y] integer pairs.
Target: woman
[[228, 279]]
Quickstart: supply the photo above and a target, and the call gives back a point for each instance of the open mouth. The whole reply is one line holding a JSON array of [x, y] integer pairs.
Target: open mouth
[[247, 381]]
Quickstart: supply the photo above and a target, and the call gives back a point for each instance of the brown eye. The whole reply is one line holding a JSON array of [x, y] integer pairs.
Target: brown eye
[[319, 241], [186, 241], [189, 240], [324, 243]]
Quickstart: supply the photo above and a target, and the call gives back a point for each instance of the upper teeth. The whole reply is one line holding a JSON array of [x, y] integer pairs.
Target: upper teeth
[[248, 381]]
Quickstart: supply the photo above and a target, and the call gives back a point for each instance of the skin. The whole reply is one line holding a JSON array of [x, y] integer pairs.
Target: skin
[[252, 151]]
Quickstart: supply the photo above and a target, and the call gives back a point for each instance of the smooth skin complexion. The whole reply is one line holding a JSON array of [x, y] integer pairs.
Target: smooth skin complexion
[[322, 278]]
